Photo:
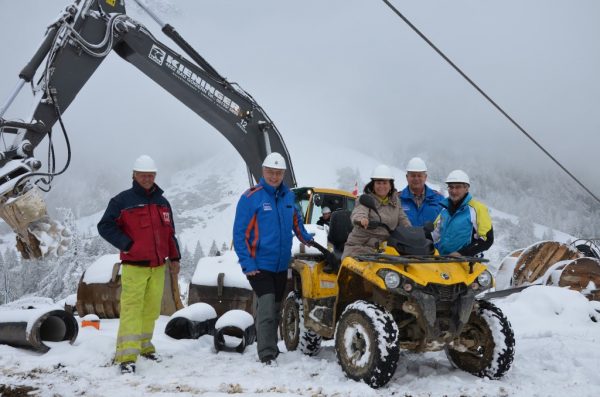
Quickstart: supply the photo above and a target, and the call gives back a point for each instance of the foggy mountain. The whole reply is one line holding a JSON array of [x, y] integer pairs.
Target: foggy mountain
[[349, 86], [204, 198]]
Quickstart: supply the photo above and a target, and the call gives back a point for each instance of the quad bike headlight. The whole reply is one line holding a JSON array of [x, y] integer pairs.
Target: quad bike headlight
[[392, 280], [485, 279]]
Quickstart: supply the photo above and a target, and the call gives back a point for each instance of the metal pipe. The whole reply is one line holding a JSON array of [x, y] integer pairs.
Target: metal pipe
[[30, 328], [151, 13], [12, 97]]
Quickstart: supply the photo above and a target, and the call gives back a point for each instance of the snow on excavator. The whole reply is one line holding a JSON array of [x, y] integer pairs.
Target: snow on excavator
[[75, 45]]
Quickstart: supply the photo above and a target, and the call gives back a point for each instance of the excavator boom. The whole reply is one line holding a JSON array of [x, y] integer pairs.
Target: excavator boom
[[74, 47]]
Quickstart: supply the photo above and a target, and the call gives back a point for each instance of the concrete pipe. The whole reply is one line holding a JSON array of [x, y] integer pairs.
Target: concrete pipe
[[30, 328], [192, 322], [237, 324]]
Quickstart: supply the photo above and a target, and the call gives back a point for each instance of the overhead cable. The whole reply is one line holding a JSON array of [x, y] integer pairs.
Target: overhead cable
[[417, 31]]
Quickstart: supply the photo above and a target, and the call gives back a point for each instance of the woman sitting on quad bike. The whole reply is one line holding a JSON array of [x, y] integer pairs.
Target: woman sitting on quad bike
[[365, 240]]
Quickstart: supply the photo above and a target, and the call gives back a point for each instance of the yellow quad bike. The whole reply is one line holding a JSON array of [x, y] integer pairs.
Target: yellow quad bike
[[403, 297]]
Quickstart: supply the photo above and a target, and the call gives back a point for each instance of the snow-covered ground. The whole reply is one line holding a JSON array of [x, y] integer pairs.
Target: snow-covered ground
[[556, 355]]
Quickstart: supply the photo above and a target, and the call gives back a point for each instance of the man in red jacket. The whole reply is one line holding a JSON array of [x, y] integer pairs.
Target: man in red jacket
[[139, 222]]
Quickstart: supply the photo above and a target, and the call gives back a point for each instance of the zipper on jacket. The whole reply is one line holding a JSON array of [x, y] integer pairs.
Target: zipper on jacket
[[279, 221]]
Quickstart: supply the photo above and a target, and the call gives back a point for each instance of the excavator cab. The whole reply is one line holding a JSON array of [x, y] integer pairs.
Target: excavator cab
[[310, 201]]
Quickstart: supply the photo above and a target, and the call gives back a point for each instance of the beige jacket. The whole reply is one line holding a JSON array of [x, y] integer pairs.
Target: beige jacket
[[366, 241]]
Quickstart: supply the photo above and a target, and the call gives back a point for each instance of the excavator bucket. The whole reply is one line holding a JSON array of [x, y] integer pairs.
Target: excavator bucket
[[99, 290], [38, 236]]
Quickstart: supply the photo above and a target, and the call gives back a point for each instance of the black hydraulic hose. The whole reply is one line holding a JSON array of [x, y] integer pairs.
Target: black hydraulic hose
[[29, 70], [185, 46], [436, 49], [67, 142]]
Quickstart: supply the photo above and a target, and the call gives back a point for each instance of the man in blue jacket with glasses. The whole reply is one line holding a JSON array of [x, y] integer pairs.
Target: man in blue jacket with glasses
[[262, 237]]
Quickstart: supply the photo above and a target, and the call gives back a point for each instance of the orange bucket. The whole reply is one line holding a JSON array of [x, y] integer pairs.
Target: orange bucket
[[91, 320]]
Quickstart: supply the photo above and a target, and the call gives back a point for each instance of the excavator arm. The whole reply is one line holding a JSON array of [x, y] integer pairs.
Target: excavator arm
[[73, 48]]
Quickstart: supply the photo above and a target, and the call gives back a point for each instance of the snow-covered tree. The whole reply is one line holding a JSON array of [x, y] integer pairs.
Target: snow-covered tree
[[65, 271], [187, 265], [214, 249], [6, 287], [548, 234], [198, 253], [347, 177]]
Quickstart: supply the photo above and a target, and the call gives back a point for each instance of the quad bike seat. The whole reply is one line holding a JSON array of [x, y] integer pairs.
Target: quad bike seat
[[340, 227], [411, 240]]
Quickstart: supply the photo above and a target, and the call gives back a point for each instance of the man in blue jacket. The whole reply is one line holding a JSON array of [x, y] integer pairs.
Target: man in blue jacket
[[262, 237], [464, 226], [420, 203]]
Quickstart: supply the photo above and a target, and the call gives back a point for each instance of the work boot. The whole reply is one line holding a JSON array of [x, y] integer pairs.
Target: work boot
[[127, 368], [269, 361], [152, 357]]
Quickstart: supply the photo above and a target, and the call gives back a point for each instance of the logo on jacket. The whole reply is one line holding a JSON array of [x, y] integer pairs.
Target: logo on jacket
[[166, 217], [267, 207]]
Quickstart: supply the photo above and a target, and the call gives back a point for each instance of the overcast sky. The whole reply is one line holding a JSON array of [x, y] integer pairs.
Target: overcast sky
[[348, 72]]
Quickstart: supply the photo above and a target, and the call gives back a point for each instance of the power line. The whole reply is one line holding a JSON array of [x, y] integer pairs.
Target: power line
[[486, 96]]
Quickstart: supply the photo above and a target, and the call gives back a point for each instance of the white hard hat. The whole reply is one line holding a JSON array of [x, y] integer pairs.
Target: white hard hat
[[458, 176], [326, 210], [416, 164], [144, 163], [274, 160], [382, 171]]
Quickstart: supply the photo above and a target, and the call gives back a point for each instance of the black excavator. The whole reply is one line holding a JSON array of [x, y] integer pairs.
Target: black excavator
[[74, 46]]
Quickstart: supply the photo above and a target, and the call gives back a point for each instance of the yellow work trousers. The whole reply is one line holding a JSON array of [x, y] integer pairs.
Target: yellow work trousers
[[141, 296]]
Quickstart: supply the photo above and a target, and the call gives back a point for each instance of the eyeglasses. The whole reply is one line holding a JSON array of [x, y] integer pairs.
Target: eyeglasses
[[457, 186]]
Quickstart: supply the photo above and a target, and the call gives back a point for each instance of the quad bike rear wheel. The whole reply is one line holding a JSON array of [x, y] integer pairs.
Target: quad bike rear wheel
[[293, 332], [491, 343], [366, 343]]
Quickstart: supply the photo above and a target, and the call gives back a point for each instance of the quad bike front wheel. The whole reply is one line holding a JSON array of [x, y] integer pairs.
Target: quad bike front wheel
[[293, 332], [489, 343], [366, 343]]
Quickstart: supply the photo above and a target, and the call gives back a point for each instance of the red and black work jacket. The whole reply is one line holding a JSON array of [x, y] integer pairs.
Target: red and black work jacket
[[140, 224]]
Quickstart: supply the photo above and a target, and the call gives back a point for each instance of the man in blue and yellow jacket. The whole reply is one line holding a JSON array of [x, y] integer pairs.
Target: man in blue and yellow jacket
[[464, 226], [262, 237], [139, 222]]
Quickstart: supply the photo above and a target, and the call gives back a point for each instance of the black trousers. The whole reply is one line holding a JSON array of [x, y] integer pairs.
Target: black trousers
[[267, 282]]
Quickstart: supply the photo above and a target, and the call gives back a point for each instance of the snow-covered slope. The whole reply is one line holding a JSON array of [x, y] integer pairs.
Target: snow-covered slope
[[204, 196], [556, 355]]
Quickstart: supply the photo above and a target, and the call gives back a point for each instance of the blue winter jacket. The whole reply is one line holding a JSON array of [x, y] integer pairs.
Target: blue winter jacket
[[262, 231], [467, 231], [428, 211]]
